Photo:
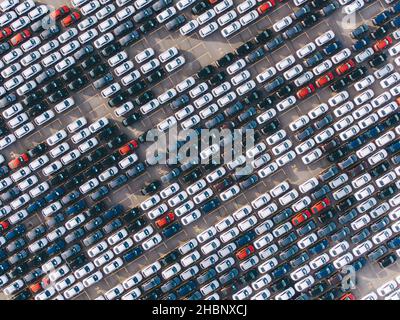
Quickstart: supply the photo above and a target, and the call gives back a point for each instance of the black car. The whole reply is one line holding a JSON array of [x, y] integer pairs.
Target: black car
[[131, 119], [37, 150], [78, 84], [263, 37], [38, 109], [156, 76], [118, 141], [267, 102], [357, 74], [137, 87], [151, 188], [148, 26], [380, 33], [53, 86], [217, 79], [58, 96], [226, 60], [284, 91], [111, 159], [144, 98], [108, 132], [245, 48], [200, 8], [378, 60], [72, 74], [98, 71], [91, 61], [270, 127], [340, 84], [118, 99], [206, 72], [192, 176], [310, 20], [111, 49]]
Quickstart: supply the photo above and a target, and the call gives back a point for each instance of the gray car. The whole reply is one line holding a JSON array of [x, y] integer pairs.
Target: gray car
[[229, 276], [142, 15], [129, 39], [274, 84], [377, 253], [123, 28], [83, 52], [45, 76], [103, 81], [160, 5], [175, 23]]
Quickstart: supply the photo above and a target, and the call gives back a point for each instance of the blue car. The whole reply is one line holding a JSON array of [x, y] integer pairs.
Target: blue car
[[394, 147], [361, 44], [381, 18], [300, 260], [36, 206], [394, 243], [55, 194], [245, 239], [132, 254], [210, 205], [186, 289], [332, 48], [113, 212], [76, 208], [173, 229], [325, 272], [17, 231], [56, 247], [319, 247], [4, 267]]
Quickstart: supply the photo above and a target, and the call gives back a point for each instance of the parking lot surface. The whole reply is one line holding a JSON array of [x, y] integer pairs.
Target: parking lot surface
[[198, 53]]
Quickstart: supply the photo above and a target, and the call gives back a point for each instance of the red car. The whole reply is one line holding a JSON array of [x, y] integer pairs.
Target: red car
[[324, 80], [128, 148], [4, 225], [266, 6], [5, 33], [70, 19], [348, 296], [245, 252], [38, 286], [57, 14], [166, 220], [306, 91], [20, 37], [345, 67], [382, 44], [320, 206], [17, 162], [301, 217]]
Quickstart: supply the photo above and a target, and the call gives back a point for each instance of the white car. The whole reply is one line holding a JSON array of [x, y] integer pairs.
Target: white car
[[231, 29], [38, 12], [90, 7], [364, 55], [306, 50], [265, 75], [208, 29], [325, 38], [246, 5], [168, 54], [227, 18], [144, 55], [282, 24], [175, 64], [249, 18], [354, 6], [189, 27]]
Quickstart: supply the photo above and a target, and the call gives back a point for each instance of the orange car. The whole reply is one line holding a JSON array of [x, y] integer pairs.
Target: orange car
[[38, 286], [17, 162], [266, 6], [166, 220], [245, 252], [301, 217], [343, 68], [20, 37], [382, 44], [70, 19], [57, 14], [324, 80], [305, 92], [128, 148], [320, 206]]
